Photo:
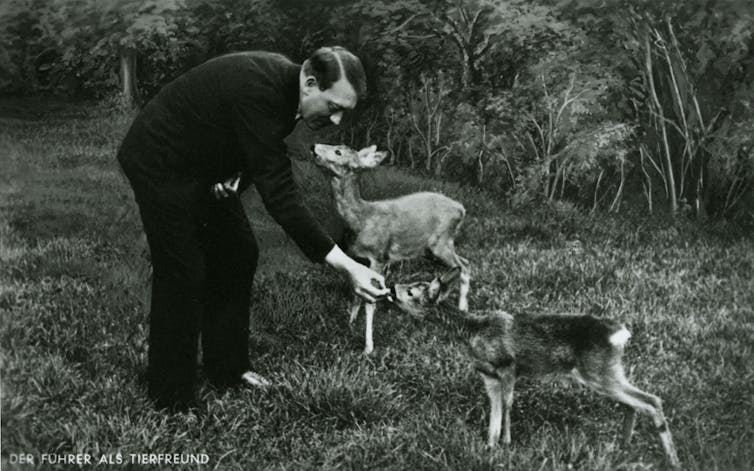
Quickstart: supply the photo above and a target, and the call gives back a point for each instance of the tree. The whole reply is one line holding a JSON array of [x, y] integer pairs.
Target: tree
[[130, 26], [222, 26], [467, 25], [90, 39]]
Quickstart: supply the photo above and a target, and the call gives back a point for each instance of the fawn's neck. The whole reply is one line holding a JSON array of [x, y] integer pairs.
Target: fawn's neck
[[348, 202], [460, 323]]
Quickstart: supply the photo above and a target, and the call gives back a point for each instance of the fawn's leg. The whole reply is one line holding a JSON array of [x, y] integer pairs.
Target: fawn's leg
[[369, 309], [386, 270], [353, 310], [661, 423], [463, 290], [494, 388], [629, 420], [508, 379], [616, 386]]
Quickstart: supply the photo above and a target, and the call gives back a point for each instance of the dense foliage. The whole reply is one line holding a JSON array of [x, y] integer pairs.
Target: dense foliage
[[601, 103]]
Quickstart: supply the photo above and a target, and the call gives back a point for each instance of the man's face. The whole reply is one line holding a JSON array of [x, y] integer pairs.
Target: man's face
[[320, 108]]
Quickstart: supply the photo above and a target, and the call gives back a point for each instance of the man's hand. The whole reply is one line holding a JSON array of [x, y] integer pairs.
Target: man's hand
[[367, 283], [227, 188]]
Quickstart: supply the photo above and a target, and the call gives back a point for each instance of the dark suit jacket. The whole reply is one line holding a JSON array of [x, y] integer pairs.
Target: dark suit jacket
[[227, 115]]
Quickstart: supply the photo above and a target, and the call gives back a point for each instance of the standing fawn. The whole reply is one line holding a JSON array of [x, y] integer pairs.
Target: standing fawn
[[504, 347], [390, 230]]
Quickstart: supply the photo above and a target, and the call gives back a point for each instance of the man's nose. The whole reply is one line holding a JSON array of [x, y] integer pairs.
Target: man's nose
[[336, 117]]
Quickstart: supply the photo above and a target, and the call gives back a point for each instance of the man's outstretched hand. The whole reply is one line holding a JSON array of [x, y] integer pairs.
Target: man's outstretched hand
[[367, 283]]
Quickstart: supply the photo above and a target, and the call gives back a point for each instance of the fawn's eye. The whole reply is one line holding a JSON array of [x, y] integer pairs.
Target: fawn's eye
[[337, 152]]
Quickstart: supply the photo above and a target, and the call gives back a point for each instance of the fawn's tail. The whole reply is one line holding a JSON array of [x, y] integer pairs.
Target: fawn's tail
[[620, 337]]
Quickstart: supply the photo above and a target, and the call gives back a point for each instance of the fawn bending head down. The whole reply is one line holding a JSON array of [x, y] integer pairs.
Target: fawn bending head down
[[503, 347], [390, 230]]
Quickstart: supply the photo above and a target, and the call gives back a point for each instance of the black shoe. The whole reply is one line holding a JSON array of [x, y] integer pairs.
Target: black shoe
[[247, 379], [255, 380]]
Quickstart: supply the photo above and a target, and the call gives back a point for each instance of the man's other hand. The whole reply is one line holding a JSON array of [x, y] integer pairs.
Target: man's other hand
[[227, 188]]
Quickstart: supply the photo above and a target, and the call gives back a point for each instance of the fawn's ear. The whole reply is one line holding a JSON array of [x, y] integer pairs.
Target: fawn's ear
[[435, 291], [450, 276], [367, 150], [372, 159], [441, 286]]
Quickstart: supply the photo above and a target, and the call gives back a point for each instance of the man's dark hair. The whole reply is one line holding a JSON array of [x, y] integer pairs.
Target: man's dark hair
[[324, 65]]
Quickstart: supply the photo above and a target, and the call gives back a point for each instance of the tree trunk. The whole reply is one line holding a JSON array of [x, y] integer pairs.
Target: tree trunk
[[128, 76], [412, 162], [663, 128], [701, 193], [467, 70]]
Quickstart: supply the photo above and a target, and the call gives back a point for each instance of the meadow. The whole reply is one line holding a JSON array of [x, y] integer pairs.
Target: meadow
[[73, 288]]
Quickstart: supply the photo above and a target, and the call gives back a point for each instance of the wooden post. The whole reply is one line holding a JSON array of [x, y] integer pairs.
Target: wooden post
[[128, 76]]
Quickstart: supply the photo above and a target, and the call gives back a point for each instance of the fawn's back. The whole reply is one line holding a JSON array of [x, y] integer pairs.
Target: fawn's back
[[545, 344], [404, 227]]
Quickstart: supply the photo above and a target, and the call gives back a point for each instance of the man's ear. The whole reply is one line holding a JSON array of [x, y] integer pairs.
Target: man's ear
[[310, 82]]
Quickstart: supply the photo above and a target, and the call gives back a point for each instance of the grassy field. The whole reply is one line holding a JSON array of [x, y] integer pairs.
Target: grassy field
[[73, 287]]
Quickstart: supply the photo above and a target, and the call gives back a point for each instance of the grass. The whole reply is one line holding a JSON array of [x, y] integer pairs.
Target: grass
[[72, 299]]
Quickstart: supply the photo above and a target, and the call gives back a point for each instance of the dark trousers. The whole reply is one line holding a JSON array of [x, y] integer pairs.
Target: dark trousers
[[204, 256]]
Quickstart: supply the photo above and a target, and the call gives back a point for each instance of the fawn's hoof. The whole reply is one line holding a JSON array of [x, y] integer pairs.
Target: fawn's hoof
[[368, 350], [493, 444], [673, 460]]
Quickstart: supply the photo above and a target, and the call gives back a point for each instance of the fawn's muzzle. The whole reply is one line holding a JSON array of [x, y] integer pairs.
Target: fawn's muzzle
[[390, 296]]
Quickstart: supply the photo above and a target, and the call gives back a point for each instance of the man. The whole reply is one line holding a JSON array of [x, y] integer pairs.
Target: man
[[227, 117]]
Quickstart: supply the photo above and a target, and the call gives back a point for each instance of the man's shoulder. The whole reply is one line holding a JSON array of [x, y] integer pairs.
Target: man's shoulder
[[257, 75], [254, 59]]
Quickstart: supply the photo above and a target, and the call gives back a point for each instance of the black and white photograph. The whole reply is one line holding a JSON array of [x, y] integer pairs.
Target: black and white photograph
[[377, 234]]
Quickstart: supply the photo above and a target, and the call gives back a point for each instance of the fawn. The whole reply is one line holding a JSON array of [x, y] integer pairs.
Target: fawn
[[395, 229], [504, 347]]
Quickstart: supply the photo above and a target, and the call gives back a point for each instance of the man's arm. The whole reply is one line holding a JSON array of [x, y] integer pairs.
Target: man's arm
[[285, 204], [272, 174], [260, 133]]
